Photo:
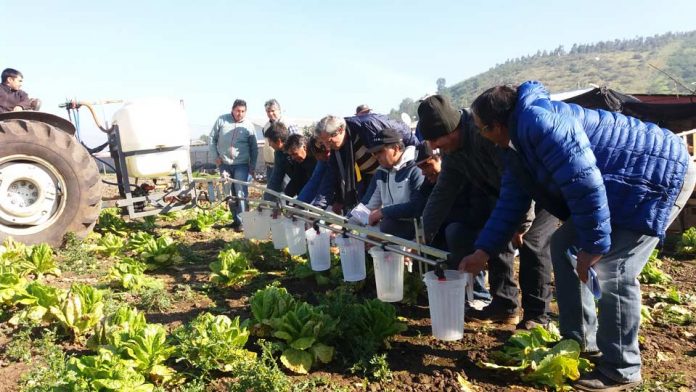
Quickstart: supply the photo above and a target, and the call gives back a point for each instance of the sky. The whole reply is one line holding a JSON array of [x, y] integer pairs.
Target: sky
[[314, 57]]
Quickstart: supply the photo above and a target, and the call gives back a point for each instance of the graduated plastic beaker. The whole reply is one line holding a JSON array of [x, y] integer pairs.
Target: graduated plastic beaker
[[248, 219], [262, 224], [389, 274], [319, 249], [446, 299], [278, 227], [352, 258], [295, 237]]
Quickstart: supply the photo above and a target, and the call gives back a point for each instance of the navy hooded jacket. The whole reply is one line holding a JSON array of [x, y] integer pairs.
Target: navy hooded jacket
[[603, 168]]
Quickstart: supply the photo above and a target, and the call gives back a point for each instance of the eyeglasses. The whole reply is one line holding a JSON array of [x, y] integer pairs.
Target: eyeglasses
[[483, 129]]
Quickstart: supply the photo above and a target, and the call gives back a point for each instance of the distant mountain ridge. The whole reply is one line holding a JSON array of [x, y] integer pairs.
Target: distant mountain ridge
[[622, 65]]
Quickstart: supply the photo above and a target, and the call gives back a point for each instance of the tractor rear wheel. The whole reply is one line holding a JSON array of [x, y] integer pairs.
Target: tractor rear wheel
[[49, 184]]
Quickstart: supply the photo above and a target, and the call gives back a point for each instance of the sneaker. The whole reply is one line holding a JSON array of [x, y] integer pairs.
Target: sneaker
[[595, 381], [531, 323], [489, 314]]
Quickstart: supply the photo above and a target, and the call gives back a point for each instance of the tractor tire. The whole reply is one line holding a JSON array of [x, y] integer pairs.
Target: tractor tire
[[49, 184]]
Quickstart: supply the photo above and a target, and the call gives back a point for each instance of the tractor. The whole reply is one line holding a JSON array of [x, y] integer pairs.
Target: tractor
[[50, 183]]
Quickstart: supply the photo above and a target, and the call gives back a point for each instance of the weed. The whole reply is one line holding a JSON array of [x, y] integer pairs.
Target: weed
[[19, 348], [53, 373], [76, 257], [155, 299], [262, 375]]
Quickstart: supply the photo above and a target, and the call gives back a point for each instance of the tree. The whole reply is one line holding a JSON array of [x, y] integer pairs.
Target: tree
[[441, 85], [205, 138]]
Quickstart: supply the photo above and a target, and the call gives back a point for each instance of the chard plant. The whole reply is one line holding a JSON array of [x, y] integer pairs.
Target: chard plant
[[267, 304], [109, 245], [374, 323], [160, 252], [305, 331], [213, 343], [541, 357], [231, 269], [80, 310]]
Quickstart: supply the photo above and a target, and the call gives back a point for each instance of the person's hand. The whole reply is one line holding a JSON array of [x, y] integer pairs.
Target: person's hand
[[585, 261], [375, 217], [17, 109], [475, 262], [517, 240], [218, 161], [337, 208], [251, 175]]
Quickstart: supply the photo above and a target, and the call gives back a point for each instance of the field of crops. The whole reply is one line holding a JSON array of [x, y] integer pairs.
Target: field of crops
[[180, 302]]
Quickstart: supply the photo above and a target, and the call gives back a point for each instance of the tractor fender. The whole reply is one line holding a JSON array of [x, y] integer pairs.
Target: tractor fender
[[43, 117]]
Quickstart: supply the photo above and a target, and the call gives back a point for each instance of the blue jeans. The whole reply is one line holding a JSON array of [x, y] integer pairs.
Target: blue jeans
[[238, 172], [614, 331]]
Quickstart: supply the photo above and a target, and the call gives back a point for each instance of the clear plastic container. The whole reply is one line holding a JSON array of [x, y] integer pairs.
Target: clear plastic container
[[446, 299], [262, 224], [319, 249], [389, 274], [278, 227], [352, 258], [295, 237], [248, 219], [152, 124]]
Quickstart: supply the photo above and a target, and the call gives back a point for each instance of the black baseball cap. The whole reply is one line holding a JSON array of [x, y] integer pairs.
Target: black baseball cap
[[384, 138]]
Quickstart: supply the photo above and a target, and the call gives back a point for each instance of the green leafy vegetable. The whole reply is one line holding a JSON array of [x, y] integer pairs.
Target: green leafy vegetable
[[39, 261], [231, 269], [109, 245], [80, 310], [651, 273], [106, 372], [687, 242], [149, 350], [160, 252], [305, 329], [213, 343], [267, 304], [110, 221], [37, 299]]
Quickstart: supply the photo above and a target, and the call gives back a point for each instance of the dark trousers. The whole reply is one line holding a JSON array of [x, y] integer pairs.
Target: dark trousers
[[460, 242], [397, 227], [535, 270]]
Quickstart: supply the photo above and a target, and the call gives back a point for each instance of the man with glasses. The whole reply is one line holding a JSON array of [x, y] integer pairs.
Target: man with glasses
[[319, 190], [470, 160], [351, 164], [616, 182]]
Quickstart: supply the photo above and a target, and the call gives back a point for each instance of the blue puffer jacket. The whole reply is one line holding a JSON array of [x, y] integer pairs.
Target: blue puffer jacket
[[604, 168]]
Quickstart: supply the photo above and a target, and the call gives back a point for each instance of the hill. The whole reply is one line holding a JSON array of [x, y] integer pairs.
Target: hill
[[622, 65]]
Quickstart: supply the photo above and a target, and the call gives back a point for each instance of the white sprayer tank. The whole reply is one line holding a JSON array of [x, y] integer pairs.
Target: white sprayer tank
[[152, 124]]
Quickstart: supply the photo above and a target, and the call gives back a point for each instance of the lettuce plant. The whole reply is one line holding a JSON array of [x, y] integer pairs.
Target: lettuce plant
[[80, 310], [160, 252], [137, 241], [125, 323], [109, 245], [304, 330], [12, 285], [110, 221], [267, 304], [231, 269], [148, 349], [687, 242], [375, 322], [652, 273], [213, 343], [37, 300], [205, 219], [38, 261], [106, 371], [541, 357], [128, 273]]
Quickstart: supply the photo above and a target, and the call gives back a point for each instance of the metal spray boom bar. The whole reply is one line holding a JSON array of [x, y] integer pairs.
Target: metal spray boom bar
[[312, 214]]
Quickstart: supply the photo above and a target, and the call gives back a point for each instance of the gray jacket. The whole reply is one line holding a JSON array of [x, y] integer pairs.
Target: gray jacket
[[478, 163], [234, 142]]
